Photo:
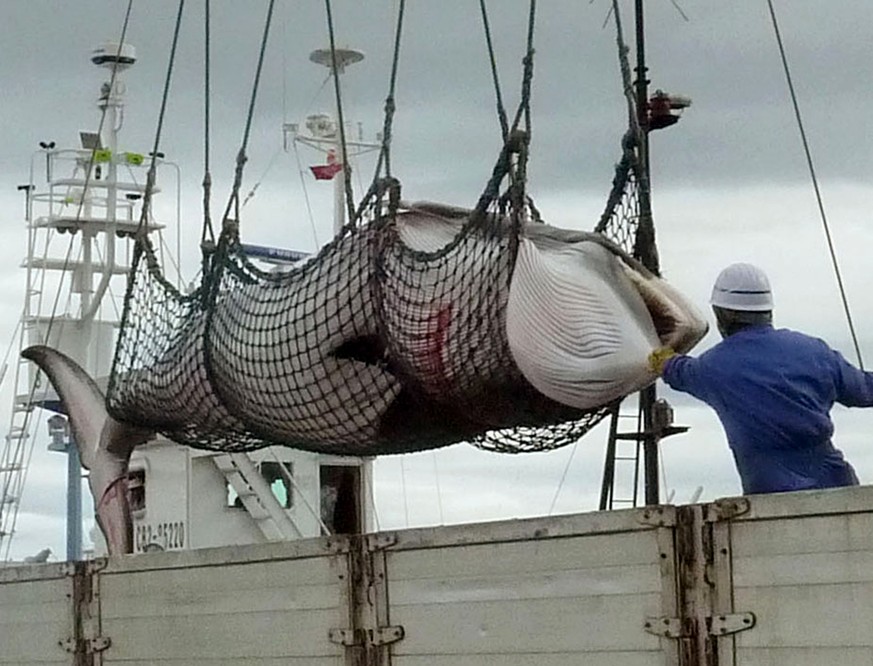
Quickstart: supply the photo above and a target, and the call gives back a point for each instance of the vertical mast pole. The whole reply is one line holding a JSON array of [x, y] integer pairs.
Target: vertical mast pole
[[645, 250]]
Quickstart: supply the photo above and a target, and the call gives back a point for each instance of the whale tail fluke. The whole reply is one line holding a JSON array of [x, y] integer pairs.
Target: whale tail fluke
[[104, 443]]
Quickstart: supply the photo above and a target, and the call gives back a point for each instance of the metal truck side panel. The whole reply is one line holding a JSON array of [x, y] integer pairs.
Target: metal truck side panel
[[546, 592], [803, 563], [256, 605], [36, 616]]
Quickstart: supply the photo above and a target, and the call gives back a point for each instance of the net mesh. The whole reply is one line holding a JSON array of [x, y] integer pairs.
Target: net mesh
[[391, 339]]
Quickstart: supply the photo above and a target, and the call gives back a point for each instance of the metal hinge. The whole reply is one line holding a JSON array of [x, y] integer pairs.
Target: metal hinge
[[381, 541], [97, 565], [380, 636], [666, 627], [658, 516], [386, 635], [729, 623], [346, 636], [338, 545], [90, 645], [726, 509], [716, 625]]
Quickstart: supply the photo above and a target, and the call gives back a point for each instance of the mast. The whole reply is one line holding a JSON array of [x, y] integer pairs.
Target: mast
[[89, 198], [646, 252], [654, 418], [336, 61]]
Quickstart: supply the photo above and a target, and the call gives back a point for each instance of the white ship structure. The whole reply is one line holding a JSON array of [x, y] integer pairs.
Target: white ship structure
[[83, 207]]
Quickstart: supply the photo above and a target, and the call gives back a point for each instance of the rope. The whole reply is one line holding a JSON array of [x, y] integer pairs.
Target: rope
[[207, 236], [389, 100], [626, 79], [501, 110], [515, 143], [300, 173], [384, 158], [233, 202], [563, 478], [150, 178], [347, 170], [381, 185], [818, 197]]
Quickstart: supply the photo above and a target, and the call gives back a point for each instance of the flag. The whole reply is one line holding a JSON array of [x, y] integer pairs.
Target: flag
[[325, 171]]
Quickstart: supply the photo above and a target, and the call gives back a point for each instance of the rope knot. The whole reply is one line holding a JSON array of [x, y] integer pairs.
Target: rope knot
[[517, 141]]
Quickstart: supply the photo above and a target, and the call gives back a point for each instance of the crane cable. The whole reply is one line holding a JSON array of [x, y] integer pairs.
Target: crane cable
[[818, 197]]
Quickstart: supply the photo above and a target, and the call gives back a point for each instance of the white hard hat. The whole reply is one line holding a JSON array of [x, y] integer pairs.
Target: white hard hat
[[742, 287]]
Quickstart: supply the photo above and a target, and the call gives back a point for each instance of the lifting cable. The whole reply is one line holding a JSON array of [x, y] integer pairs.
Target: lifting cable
[[207, 235], [141, 232], [824, 219], [384, 158], [380, 185], [347, 169], [524, 105], [233, 201], [392, 85], [514, 143], [501, 110], [626, 78]]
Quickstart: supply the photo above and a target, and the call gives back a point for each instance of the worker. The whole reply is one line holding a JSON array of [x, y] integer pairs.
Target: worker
[[772, 389]]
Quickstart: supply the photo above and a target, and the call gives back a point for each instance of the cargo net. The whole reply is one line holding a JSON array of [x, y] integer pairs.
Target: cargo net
[[391, 339]]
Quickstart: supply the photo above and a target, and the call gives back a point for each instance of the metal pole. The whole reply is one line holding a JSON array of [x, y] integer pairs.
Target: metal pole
[[645, 249], [74, 502], [607, 487]]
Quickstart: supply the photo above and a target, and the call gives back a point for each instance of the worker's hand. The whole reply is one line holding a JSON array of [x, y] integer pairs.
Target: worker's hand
[[659, 357]]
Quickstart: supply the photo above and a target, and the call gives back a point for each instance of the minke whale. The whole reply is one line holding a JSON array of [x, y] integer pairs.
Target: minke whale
[[578, 316]]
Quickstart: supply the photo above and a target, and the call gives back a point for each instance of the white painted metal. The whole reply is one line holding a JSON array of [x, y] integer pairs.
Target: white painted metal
[[796, 567], [567, 590], [803, 562], [261, 605], [36, 615], [187, 501]]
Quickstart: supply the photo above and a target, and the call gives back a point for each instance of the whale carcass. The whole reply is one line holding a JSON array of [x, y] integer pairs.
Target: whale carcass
[[413, 333]]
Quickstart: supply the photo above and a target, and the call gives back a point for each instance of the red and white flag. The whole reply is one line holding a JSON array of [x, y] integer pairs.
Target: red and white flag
[[329, 170]]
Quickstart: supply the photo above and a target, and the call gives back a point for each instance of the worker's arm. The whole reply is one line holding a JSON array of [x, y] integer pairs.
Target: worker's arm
[[854, 386], [685, 373]]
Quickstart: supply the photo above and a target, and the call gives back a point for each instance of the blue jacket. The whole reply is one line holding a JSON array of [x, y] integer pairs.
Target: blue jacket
[[773, 390]]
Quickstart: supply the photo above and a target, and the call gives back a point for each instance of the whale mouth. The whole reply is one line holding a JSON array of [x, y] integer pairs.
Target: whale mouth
[[677, 322]]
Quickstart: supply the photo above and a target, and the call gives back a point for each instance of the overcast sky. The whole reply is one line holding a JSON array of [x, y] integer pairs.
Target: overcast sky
[[730, 182]]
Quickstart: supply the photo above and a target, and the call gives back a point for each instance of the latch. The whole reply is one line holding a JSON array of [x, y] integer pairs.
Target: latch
[[346, 637], [96, 565], [658, 516], [729, 623], [666, 627], [727, 508], [716, 625], [386, 635], [381, 541], [90, 645], [376, 637]]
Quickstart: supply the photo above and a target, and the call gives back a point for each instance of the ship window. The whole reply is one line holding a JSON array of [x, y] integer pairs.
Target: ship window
[[279, 485], [272, 473], [136, 489], [233, 499]]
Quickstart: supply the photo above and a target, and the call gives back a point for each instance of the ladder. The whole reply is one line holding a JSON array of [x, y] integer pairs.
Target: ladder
[[626, 448], [256, 496], [17, 443]]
